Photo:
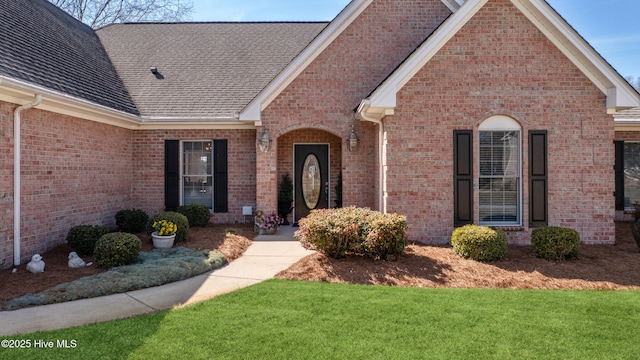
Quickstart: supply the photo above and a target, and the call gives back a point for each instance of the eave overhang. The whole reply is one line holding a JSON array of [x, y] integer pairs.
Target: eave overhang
[[19, 92]]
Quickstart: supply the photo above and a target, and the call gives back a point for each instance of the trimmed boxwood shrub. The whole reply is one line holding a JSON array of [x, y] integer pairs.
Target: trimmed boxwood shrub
[[82, 238], [352, 230], [555, 243], [132, 220], [116, 249], [180, 220], [198, 215], [481, 243]]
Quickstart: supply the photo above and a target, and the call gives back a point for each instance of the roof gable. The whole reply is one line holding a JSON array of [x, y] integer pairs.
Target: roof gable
[[619, 93], [253, 111]]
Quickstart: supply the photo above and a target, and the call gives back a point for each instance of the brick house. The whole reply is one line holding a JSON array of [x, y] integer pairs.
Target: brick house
[[448, 111]]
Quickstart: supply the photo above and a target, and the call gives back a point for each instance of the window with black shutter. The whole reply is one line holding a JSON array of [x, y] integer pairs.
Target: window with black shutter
[[220, 176], [627, 174], [196, 173], [499, 172], [171, 175], [538, 179], [463, 177], [619, 171]]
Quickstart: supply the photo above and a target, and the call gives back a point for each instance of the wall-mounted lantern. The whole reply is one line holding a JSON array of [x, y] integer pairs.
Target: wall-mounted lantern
[[265, 141], [352, 142]]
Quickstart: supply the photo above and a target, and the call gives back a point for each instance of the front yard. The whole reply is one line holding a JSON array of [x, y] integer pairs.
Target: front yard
[[281, 319]]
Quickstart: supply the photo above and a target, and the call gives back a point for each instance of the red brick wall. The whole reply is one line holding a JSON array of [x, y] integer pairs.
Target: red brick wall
[[628, 136], [73, 172], [148, 169], [6, 184], [325, 94], [499, 63]]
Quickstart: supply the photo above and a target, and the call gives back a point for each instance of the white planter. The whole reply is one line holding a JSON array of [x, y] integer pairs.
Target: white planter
[[162, 241]]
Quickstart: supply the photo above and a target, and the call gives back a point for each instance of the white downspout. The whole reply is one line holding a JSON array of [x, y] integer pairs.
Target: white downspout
[[16, 176], [382, 153]]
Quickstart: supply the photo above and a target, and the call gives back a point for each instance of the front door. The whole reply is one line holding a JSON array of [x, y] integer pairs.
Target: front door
[[311, 173]]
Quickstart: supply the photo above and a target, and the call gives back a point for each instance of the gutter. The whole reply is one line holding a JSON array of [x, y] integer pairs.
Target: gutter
[[16, 92], [382, 153], [17, 139]]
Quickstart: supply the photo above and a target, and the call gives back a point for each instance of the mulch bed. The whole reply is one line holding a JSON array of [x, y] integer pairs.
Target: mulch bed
[[599, 267], [57, 271]]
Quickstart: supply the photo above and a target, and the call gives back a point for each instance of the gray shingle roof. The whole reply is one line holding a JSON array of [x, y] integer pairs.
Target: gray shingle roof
[[42, 45], [204, 69]]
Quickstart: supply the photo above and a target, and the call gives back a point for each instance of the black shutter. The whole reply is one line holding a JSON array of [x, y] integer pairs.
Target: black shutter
[[463, 177], [619, 170], [171, 175], [220, 176], [538, 179]]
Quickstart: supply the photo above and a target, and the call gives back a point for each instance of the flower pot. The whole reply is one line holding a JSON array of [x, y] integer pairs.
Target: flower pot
[[162, 241], [268, 231]]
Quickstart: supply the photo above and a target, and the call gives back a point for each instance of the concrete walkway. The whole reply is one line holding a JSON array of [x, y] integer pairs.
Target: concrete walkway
[[267, 255]]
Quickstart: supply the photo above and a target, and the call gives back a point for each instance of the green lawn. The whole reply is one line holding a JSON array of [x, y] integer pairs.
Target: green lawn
[[302, 320]]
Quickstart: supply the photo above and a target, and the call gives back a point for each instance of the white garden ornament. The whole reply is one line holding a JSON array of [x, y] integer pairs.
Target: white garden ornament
[[36, 265], [76, 261]]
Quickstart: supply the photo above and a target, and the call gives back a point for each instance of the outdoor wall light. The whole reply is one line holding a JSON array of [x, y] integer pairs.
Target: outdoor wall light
[[265, 141], [352, 142]]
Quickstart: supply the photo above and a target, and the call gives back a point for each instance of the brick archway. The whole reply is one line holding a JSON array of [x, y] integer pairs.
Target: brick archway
[[285, 151]]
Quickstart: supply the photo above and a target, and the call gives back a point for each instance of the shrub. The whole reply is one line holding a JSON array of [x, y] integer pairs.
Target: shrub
[[116, 249], [82, 238], [198, 215], [131, 220], [555, 243], [481, 243], [351, 230], [180, 220]]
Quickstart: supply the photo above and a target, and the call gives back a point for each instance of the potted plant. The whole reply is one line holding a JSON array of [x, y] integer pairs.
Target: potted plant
[[271, 224], [285, 198], [338, 189], [164, 234]]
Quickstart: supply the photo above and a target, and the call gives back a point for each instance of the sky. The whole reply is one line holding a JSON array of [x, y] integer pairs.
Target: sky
[[610, 26]]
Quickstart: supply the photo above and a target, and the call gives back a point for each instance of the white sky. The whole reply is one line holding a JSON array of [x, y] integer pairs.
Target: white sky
[[610, 26]]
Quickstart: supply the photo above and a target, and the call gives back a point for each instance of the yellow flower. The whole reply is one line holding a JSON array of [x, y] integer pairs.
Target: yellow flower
[[164, 227]]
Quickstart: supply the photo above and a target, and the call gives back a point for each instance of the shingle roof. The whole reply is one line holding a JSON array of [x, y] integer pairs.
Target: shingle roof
[[204, 69], [42, 45]]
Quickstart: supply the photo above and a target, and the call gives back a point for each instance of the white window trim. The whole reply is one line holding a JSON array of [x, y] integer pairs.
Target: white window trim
[[502, 123], [182, 169]]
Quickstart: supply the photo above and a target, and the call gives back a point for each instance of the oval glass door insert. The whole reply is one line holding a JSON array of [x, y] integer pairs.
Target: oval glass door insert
[[311, 181]]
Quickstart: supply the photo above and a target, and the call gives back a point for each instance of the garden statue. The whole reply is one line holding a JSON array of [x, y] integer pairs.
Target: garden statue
[[76, 261], [36, 265], [258, 221]]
